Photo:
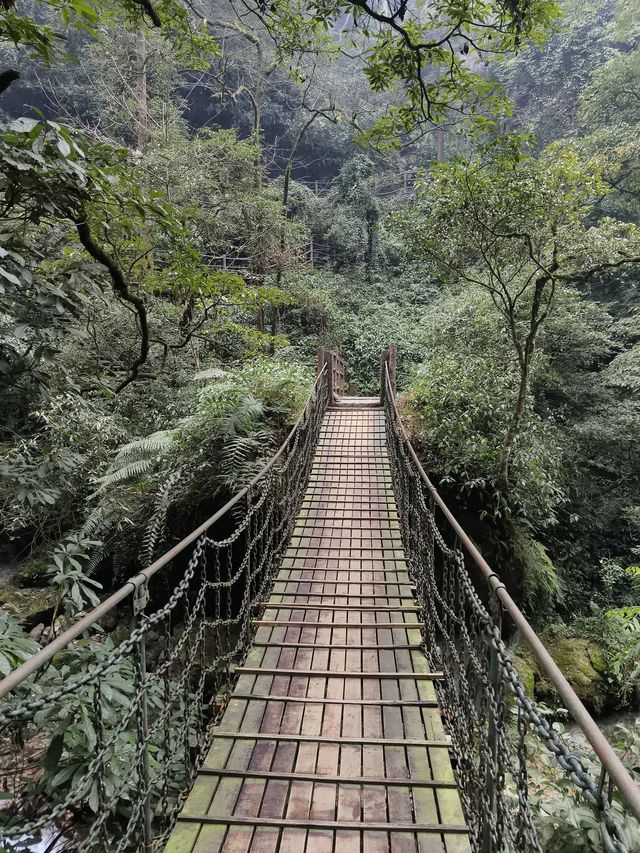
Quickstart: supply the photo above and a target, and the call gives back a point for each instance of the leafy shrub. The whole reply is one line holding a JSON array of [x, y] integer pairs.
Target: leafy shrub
[[627, 661], [462, 405], [541, 588], [15, 646], [236, 421], [565, 822]]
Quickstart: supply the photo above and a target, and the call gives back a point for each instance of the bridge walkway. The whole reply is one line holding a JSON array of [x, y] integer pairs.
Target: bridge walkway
[[332, 741]]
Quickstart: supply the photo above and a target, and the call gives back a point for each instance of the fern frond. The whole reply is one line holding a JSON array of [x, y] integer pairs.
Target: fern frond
[[244, 417], [129, 471], [96, 522], [156, 442], [157, 522], [243, 455], [99, 554]]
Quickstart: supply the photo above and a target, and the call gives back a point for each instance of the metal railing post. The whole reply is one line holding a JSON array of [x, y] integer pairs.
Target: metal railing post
[[140, 601]]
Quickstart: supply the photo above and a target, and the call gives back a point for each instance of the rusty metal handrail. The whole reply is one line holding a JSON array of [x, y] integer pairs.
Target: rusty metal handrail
[[141, 579], [601, 746]]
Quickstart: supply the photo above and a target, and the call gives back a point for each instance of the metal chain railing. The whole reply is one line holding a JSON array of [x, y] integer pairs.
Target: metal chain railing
[[101, 735], [481, 687]]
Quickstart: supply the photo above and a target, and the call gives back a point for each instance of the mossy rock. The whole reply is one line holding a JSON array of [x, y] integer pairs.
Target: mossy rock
[[28, 604], [583, 664], [526, 672], [32, 572], [597, 658]]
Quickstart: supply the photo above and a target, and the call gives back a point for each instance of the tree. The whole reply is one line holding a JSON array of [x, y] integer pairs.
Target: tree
[[516, 226], [427, 58], [610, 117], [558, 70]]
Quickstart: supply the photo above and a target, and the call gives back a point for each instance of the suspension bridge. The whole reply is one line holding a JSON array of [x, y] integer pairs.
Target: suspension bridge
[[320, 666]]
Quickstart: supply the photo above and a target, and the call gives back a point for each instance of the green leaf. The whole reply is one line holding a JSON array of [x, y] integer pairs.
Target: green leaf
[[54, 753], [9, 276]]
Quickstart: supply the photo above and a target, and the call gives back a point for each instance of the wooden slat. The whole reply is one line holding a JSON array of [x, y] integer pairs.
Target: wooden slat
[[329, 673], [334, 780], [323, 700], [306, 624], [299, 605], [309, 823], [320, 645], [276, 736]]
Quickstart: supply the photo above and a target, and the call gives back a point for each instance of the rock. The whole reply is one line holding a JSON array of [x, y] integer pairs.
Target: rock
[[597, 658], [526, 672], [27, 604], [109, 621], [37, 632], [582, 662], [118, 637], [32, 572]]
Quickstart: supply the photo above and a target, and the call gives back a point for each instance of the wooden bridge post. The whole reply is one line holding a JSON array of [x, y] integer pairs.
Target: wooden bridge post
[[388, 357], [335, 370], [327, 356]]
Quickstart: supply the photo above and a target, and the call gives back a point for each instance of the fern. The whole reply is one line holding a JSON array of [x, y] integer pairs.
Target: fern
[[157, 442], [155, 527], [104, 550], [243, 455], [126, 472], [133, 459], [95, 522], [244, 417]]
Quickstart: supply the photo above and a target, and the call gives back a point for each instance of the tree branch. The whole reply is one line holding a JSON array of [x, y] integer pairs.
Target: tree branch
[[122, 289]]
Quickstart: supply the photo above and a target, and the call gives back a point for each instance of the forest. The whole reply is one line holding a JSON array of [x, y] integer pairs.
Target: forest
[[195, 196]]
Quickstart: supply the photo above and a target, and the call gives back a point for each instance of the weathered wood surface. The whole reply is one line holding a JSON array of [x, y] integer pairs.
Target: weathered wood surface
[[352, 761]]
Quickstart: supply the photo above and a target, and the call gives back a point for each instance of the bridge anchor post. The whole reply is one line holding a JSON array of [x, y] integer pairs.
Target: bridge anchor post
[[335, 371]]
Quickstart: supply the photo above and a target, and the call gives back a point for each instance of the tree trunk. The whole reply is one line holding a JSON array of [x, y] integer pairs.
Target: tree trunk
[[142, 97], [440, 144], [258, 95], [514, 429], [372, 219], [275, 326], [275, 317], [535, 319]]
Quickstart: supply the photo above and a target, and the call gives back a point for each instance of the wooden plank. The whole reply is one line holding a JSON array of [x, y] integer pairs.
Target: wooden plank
[[376, 608], [327, 673], [325, 700], [295, 776], [183, 838], [327, 805], [275, 736], [270, 644], [306, 623]]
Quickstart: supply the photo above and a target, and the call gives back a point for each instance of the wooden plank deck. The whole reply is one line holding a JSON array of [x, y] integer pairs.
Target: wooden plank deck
[[332, 741]]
